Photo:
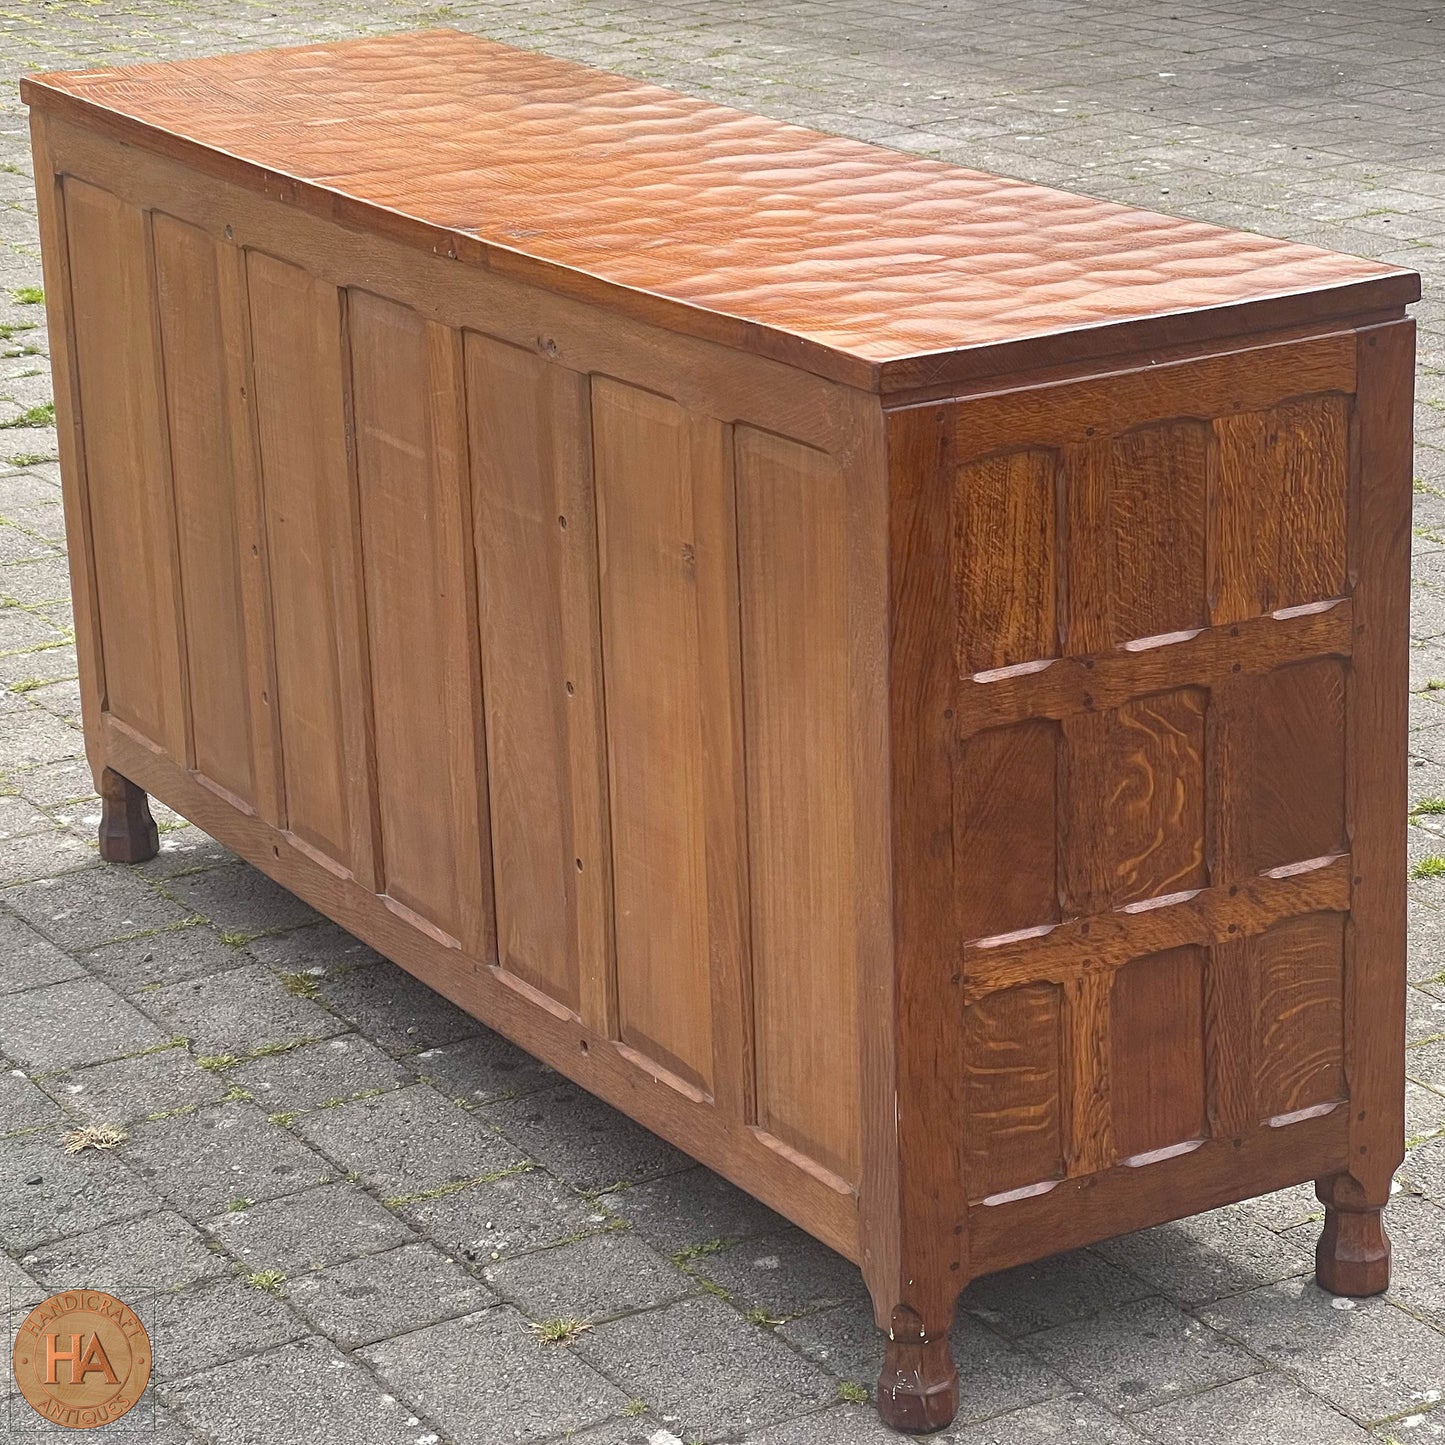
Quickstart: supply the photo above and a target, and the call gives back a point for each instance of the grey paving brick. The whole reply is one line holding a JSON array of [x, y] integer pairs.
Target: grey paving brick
[[135, 1257], [408, 1141], [591, 1279], [169, 957], [582, 1140], [301, 1391], [80, 1021], [1070, 1420], [392, 1293], [388, 1005], [844, 1424], [239, 1010], [483, 1069], [1261, 1407], [46, 1193], [238, 899], [84, 910], [1051, 1292], [333, 1071], [329, 948], [309, 1230], [1211, 1255], [783, 1274], [41, 855], [27, 960], [203, 1161], [538, 1390], [702, 1373], [135, 1088], [1142, 1354], [692, 1207], [214, 1321], [503, 1217], [24, 1104], [1366, 1356]]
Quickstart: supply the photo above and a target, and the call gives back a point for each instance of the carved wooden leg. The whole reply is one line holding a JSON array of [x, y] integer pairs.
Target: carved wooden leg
[[127, 830], [1353, 1255], [918, 1385]]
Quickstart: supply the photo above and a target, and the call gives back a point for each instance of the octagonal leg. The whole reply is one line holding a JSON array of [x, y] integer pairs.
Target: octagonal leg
[[1353, 1255], [918, 1385], [127, 830]]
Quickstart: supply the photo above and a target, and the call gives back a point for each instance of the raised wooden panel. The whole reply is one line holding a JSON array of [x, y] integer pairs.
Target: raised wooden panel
[[1279, 517], [310, 530], [1153, 826], [1004, 560], [411, 469], [793, 557], [1300, 1051], [537, 579], [1005, 784], [201, 446], [1295, 799], [647, 543], [1013, 1081], [1158, 484], [1157, 1076], [127, 464]]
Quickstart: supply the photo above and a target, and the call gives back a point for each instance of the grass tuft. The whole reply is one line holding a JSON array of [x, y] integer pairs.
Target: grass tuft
[[558, 1332], [303, 985], [239, 1205], [214, 1063], [269, 1280], [41, 415], [853, 1393], [1431, 867], [29, 295]]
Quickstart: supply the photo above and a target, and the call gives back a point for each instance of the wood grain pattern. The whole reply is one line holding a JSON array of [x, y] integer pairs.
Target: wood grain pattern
[[1300, 1012], [1005, 790], [795, 678], [411, 468], [202, 452], [542, 670], [1005, 560], [1156, 1072], [130, 507], [301, 420], [648, 544], [1014, 1134]]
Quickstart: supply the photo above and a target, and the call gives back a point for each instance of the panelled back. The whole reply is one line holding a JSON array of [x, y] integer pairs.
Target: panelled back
[[556, 662], [1150, 581]]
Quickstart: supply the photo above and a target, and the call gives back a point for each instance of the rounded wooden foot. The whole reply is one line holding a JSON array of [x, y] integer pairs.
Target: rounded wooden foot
[[127, 830], [1353, 1255], [918, 1386]]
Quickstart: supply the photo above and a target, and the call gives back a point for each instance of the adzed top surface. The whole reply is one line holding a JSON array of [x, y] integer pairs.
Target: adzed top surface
[[881, 269]]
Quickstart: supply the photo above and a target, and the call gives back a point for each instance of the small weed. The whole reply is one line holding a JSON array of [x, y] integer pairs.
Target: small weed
[[42, 415], [215, 1063], [234, 940], [1434, 685], [1431, 867], [701, 1251], [284, 1121], [27, 684], [712, 1287], [760, 1317], [239, 1206], [236, 1094], [29, 459], [176, 1113], [95, 1136], [558, 1332], [633, 1408], [303, 985], [853, 1393], [270, 1280], [1429, 805], [440, 1191], [281, 1046], [29, 295]]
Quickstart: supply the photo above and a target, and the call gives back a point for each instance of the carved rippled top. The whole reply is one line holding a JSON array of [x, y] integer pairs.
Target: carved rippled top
[[863, 250]]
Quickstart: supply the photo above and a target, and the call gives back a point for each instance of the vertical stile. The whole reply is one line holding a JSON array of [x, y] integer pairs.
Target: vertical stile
[[254, 565], [348, 601], [464, 696], [181, 726]]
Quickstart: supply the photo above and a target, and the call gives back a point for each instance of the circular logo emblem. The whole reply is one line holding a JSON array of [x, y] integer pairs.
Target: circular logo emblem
[[82, 1358]]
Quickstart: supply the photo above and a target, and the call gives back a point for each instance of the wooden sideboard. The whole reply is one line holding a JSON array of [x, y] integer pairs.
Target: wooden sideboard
[[891, 676]]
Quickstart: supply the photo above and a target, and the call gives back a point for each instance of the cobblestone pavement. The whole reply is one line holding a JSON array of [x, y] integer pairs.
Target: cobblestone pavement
[[341, 1201]]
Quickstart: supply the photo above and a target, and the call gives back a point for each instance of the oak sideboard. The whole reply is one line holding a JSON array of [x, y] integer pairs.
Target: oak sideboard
[[893, 677]]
